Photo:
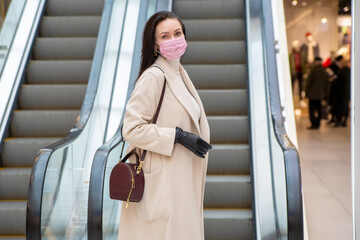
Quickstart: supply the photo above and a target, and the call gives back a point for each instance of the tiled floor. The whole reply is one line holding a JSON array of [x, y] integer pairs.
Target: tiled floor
[[326, 176]]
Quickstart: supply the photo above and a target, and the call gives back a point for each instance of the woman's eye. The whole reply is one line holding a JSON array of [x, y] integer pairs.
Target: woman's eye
[[178, 33], [163, 36]]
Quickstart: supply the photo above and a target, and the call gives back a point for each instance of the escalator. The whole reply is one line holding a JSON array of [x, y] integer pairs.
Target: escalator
[[49, 100], [216, 62], [252, 188], [253, 183]]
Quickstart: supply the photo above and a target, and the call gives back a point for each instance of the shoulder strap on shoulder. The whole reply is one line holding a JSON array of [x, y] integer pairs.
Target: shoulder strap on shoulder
[[156, 113], [157, 66]]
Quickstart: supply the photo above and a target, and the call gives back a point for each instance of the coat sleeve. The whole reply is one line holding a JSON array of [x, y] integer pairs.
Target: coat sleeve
[[326, 86], [309, 82], [138, 128]]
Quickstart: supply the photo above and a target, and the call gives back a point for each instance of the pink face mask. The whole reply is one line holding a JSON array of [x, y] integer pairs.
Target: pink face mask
[[174, 48]]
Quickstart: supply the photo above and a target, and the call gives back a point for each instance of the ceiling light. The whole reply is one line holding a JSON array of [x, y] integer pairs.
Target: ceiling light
[[294, 2], [324, 20], [346, 9], [304, 4]]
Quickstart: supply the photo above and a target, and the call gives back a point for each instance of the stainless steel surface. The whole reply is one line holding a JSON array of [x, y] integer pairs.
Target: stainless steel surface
[[355, 124]]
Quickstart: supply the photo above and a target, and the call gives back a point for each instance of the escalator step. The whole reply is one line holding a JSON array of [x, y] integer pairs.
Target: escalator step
[[229, 159], [13, 237], [203, 29], [64, 48], [232, 224], [224, 191], [222, 76], [12, 157], [71, 71], [41, 123], [14, 183], [70, 26], [12, 218], [233, 101], [228, 129], [71, 7], [51, 96], [215, 52], [196, 9]]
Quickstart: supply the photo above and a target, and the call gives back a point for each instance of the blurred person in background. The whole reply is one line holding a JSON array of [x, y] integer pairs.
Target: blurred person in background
[[342, 94], [334, 67], [297, 61], [317, 88]]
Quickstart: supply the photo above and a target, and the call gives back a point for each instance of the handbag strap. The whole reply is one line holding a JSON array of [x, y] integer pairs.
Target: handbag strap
[[154, 121], [161, 98]]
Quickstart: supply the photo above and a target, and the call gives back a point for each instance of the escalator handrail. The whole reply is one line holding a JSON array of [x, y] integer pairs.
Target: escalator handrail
[[36, 185], [291, 155], [18, 54], [97, 175]]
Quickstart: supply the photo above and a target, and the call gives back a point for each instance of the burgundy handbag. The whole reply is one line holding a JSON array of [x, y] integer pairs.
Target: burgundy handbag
[[127, 180]]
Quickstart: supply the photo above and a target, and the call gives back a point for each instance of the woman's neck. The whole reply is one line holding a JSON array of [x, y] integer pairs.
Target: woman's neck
[[175, 64]]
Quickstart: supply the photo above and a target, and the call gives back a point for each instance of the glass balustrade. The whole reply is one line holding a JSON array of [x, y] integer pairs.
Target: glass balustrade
[[104, 213], [9, 27], [66, 184]]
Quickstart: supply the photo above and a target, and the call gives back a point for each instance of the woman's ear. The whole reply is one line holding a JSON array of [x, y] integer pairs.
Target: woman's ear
[[155, 50]]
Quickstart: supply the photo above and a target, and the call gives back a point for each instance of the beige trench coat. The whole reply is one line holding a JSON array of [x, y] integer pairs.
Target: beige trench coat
[[172, 204]]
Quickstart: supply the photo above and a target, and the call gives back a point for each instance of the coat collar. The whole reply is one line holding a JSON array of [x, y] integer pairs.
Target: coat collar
[[176, 88]]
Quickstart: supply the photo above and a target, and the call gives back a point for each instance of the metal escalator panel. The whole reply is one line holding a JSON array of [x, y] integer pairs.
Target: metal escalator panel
[[75, 58], [275, 161]]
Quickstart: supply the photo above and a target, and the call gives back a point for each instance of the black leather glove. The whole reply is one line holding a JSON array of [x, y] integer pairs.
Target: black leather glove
[[192, 142]]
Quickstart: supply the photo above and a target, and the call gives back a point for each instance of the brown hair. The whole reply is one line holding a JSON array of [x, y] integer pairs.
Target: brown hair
[[147, 53]]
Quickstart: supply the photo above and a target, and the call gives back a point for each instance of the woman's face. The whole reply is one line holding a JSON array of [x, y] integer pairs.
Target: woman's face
[[168, 29]]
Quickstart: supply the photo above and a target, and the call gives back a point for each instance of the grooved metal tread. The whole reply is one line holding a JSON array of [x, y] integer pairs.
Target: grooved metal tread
[[19, 179], [233, 101], [215, 52], [228, 129], [226, 29], [58, 71], [12, 157], [228, 191], [228, 178], [228, 224], [42, 123], [221, 159], [12, 219], [217, 76], [69, 26], [51, 96], [227, 213], [13, 237], [81, 48], [209, 9], [74, 8]]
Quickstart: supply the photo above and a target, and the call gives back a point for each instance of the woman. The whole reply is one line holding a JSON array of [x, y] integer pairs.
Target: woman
[[176, 162]]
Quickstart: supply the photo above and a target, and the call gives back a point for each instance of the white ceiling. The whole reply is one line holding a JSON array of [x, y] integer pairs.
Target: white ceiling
[[307, 3]]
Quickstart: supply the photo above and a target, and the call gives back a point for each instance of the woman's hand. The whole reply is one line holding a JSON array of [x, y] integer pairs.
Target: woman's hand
[[192, 142]]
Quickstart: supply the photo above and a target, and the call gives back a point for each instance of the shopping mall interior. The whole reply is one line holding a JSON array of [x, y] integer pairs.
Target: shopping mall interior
[[325, 152], [274, 77]]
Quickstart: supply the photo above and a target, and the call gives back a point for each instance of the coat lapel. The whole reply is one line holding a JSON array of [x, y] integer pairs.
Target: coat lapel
[[204, 127], [177, 90]]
